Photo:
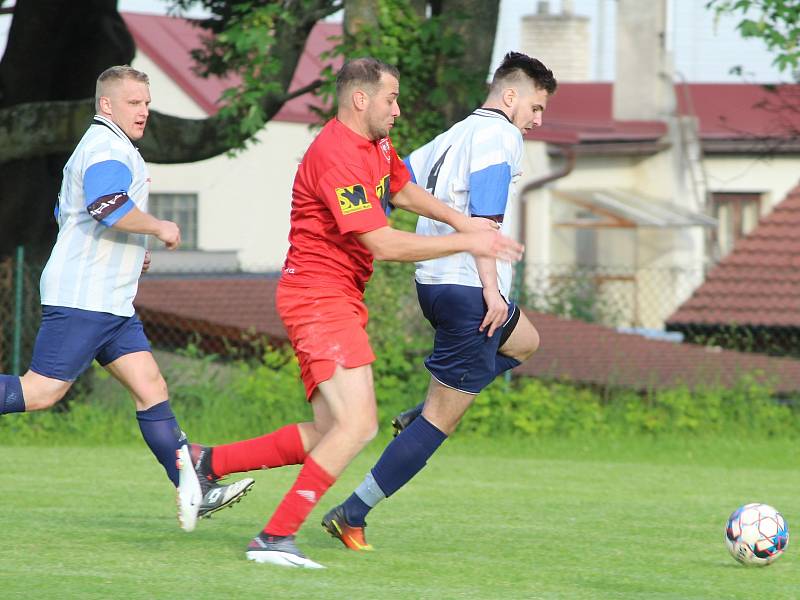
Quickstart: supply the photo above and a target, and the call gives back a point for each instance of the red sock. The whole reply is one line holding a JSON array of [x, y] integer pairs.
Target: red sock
[[276, 449], [312, 482]]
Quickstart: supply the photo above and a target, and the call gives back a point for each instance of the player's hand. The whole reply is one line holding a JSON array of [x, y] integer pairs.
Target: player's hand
[[495, 245], [480, 224], [496, 311], [170, 234], [146, 263]]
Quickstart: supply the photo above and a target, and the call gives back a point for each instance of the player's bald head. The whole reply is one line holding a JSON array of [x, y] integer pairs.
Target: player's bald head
[[362, 73], [112, 77]]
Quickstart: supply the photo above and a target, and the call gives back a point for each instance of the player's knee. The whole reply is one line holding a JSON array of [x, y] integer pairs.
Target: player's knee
[[363, 429], [531, 346]]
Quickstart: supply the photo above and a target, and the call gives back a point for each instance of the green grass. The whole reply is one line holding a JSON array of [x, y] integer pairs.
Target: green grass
[[634, 519]]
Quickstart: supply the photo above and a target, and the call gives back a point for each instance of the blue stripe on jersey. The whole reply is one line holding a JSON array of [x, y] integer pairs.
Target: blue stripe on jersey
[[104, 178], [488, 190], [407, 162]]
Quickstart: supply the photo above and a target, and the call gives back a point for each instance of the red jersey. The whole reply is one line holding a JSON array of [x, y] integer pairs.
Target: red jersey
[[342, 188]]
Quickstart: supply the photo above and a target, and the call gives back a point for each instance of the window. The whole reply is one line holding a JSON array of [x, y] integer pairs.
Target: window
[[180, 208], [737, 213]]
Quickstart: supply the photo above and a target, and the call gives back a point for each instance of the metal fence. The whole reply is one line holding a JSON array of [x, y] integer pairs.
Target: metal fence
[[20, 312], [614, 297]]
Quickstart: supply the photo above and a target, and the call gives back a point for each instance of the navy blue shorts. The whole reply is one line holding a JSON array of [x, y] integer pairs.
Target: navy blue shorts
[[70, 339], [463, 357]]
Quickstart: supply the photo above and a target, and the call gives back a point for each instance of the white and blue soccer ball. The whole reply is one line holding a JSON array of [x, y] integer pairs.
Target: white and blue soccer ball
[[756, 534]]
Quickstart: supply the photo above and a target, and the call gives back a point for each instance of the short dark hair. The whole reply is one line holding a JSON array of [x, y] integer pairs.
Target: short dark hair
[[516, 64], [365, 71]]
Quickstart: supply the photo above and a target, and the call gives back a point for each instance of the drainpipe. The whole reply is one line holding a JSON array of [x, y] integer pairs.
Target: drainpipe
[[568, 150]]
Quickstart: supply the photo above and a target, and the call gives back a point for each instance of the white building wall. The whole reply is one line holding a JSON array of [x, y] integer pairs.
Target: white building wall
[[773, 177], [244, 201]]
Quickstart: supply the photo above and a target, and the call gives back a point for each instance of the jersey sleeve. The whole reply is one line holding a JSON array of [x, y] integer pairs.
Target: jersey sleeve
[[105, 187], [353, 202], [493, 163]]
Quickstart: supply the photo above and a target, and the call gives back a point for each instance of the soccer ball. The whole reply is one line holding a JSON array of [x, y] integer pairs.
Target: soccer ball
[[756, 534]]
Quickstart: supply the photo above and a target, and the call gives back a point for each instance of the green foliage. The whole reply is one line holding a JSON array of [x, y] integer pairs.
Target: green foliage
[[428, 55], [776, 22], [398, 332], [744, 338], [531, 407], [250, 39], [573, 294], [217, 402]]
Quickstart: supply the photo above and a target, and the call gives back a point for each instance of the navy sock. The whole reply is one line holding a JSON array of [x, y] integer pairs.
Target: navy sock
[[403, 458], [503, 363], [11, 398], [163, 435]]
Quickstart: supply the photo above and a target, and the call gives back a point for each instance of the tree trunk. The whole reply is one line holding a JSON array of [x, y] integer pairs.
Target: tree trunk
[[476, 22], [55, 50]]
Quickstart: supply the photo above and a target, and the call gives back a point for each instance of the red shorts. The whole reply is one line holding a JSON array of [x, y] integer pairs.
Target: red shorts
[[327, 327]]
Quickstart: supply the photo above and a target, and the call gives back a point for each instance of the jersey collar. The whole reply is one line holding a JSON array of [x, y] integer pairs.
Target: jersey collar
[[359, 140], [104, 122], [481, 112]]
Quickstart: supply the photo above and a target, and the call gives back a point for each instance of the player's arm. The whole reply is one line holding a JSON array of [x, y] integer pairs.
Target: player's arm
[[496, 307], [105, 187], [418, 200], [138, 221], [488, 196], [386, 243]]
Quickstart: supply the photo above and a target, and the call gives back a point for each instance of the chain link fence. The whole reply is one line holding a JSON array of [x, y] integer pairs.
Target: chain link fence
[[232, 313], [20, 311], [621, 298]]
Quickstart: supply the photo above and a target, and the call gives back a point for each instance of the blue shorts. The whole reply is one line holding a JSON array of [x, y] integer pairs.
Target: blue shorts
[[70, 339], [463, 357]]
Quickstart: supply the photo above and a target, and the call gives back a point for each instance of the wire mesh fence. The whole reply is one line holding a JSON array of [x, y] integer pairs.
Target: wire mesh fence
[[612, 296], [232, 313]]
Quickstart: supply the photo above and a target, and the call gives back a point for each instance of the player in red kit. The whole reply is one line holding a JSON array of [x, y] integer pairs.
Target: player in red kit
[[341, 191]]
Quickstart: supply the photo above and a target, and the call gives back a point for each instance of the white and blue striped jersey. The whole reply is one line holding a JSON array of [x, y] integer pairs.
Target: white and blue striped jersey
[[472, 167], [92, 266]]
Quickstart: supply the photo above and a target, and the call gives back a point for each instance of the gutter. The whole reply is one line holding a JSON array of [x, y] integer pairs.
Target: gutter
[[568, 150]]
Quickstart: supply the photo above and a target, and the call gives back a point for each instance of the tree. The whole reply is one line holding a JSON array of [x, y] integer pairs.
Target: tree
[[56, 48], [776, 22]]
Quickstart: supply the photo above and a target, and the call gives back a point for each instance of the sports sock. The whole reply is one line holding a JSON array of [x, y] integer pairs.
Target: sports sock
[[162, 434], [311, 483], [11, 398], [403, 458], [276, 449]]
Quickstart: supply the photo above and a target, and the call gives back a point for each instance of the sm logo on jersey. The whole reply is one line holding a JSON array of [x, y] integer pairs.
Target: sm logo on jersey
[[352, 198], [382, 192]]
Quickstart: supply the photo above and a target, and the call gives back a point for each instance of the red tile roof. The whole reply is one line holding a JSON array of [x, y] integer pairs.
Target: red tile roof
[[221, 307], [758, 283], [168, 41], [580, 112], [570, 350], [588, 353]]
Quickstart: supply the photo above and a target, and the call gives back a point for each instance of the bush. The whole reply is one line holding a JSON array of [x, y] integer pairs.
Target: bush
[[217, 403]]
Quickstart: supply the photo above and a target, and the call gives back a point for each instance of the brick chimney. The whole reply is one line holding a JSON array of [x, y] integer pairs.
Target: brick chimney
[[643, 83], [560, 41]]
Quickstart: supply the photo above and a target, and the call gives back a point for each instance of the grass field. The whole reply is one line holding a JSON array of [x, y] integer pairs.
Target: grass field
[[631, 519]]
